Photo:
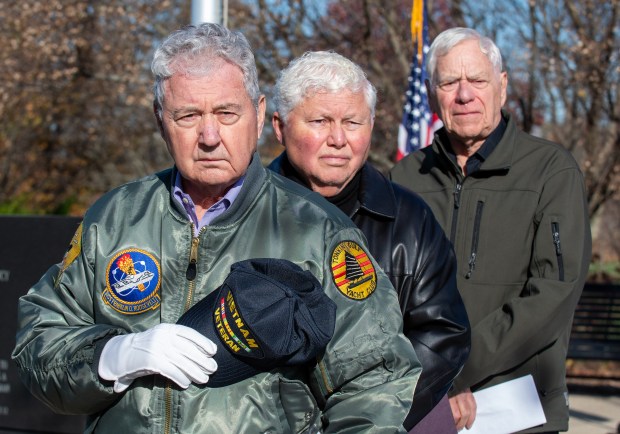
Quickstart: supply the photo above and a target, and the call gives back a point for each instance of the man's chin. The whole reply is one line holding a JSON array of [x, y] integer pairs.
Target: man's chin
[[213, 179], [329, 188]]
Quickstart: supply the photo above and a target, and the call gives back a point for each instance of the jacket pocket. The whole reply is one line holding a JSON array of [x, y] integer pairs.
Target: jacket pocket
[[474, 239], [300, 409], [555, 233]]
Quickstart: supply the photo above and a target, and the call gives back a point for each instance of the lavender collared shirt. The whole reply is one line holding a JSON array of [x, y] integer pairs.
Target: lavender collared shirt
[[215, 210]]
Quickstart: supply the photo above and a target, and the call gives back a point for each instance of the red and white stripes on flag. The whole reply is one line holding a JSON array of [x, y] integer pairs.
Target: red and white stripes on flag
[[418, 124]]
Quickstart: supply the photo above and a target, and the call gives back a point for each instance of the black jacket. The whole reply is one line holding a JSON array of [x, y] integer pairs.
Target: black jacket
[[408, 243]]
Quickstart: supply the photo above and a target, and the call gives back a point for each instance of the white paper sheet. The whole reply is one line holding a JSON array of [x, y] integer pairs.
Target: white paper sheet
[[507, 408]]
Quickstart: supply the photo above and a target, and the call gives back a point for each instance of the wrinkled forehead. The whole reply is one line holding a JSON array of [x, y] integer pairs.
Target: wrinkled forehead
[[352, 96], [198, 64], [465, 59]]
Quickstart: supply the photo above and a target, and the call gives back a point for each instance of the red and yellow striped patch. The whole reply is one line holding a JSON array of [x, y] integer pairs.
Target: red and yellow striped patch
[[352, 271]]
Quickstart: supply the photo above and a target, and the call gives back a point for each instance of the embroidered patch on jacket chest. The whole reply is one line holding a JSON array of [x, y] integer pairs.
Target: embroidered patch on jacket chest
[[133, 279]]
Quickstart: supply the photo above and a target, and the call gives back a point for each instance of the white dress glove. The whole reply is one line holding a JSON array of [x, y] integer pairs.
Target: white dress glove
[[175, 351]]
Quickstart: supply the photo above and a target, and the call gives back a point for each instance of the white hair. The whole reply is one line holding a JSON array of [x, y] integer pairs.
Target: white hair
[[320, 71], [193, 50], [448, 39]]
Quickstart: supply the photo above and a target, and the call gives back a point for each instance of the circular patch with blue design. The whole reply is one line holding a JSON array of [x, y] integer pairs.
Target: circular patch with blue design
[[133, 278]]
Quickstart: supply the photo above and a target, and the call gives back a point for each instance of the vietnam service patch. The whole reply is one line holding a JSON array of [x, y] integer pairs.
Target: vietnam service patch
[[352, 271]]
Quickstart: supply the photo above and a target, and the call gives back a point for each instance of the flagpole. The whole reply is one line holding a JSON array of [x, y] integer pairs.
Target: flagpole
[[209, 11], [417, 26], [418, 123]]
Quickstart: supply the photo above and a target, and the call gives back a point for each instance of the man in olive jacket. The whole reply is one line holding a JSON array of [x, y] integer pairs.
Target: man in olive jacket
[[514, 207]]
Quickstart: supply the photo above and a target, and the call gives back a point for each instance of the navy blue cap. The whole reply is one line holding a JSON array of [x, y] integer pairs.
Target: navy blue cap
[[268, 313]]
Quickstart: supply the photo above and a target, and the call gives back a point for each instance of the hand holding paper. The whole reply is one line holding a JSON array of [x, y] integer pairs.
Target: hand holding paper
[[463, 407], [507, 408]]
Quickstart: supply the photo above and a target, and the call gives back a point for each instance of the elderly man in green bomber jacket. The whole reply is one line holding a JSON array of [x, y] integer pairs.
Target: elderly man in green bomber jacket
[[515, 209], [98, 334]]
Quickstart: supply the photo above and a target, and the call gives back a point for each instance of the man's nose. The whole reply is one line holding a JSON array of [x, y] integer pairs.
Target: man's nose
[[464, 91], [337, 136], [209, 130]]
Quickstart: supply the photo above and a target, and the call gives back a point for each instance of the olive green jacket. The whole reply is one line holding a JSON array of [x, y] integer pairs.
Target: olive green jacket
[[521, 235], [363, 383]]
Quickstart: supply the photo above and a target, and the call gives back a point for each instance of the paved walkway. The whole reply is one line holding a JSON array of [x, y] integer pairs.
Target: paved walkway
[[594, 414]]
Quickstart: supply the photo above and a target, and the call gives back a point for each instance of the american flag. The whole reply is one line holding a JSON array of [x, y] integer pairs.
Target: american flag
[[418, 123]]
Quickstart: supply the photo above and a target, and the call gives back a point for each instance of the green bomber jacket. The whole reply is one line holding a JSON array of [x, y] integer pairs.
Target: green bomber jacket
[[520, 230], [364, 382]]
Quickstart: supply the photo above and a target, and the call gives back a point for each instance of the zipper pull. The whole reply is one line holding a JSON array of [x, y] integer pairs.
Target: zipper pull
[[472, 265], [556, 239], [190, 274], [555, 232], [457, 194]]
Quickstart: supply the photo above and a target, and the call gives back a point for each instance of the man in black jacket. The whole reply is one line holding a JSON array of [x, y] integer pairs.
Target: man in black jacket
[[324, 118]]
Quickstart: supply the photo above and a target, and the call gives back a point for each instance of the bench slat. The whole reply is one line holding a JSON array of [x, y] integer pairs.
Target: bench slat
[[595, 333]]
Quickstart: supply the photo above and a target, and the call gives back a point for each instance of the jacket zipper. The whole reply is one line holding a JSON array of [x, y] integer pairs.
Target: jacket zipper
[[458, 188], [555, 232], [168, 393], [474, 239], [190, 275], [326, 382]]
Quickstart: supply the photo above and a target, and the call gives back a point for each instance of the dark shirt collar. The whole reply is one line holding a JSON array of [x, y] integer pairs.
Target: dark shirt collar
[[475, 161], [288, 171], [346, 200]]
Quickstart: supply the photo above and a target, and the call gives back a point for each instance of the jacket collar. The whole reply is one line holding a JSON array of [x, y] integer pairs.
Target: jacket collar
[[254, 179], [376, 195], [502, 156], [282, 166]]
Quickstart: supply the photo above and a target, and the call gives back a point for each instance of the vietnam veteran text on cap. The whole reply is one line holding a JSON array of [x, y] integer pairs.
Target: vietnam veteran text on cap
[[267, 313]]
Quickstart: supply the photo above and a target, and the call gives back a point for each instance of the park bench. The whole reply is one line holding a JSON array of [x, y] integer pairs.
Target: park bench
[[595, 333]]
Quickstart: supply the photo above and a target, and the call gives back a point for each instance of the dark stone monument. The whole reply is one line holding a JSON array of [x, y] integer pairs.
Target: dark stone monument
[[28, 247]]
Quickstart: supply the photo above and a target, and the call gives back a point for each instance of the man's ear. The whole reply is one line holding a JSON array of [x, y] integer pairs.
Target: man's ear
[[430, 96], [278, 125], [503, 87], [160, 124], [260, 114]]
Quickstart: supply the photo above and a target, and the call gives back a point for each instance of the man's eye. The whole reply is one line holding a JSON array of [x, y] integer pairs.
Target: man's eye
[[479, 84], [227, 118], [353, 124], [189, 117], [448, 85]]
